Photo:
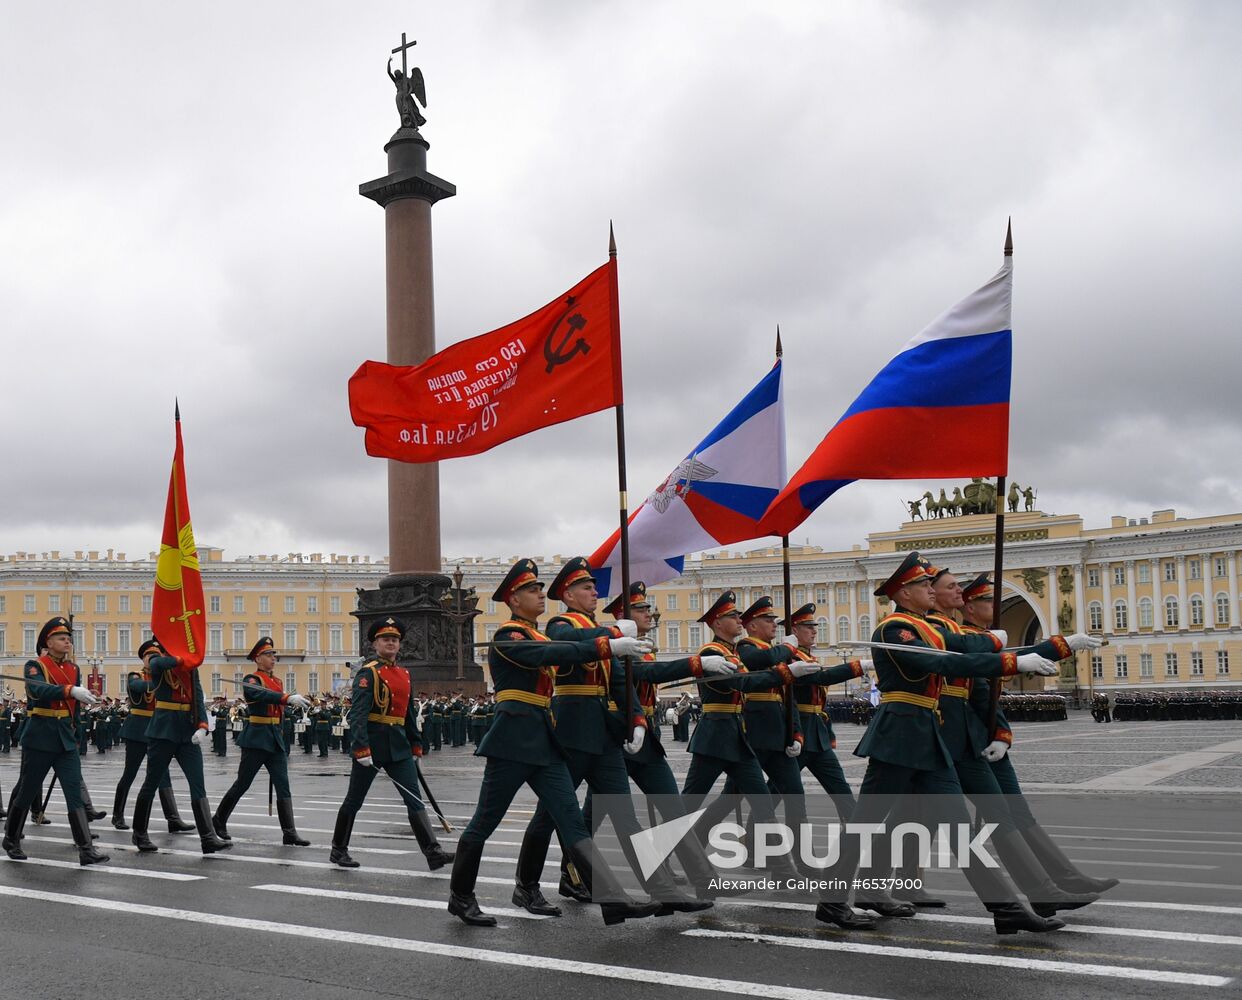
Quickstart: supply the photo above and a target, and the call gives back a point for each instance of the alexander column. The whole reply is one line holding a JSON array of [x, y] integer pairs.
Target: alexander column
[[416, 592]]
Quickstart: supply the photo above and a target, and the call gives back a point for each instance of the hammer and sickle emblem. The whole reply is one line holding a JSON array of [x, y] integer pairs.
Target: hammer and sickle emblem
[[559, 355]]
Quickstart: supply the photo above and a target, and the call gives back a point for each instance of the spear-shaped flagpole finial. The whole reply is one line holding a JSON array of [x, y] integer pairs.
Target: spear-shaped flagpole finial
[[779, 350], [1009, 238], [612, 241], [176, 409]]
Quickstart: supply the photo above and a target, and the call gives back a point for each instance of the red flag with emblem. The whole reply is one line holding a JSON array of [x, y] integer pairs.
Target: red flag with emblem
[[560, 362], [178, 610]]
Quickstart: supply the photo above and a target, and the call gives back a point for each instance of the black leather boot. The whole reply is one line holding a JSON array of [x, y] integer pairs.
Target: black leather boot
[[81, 828], [843, 915], [462, 903], [1031, 878], [284, 810], [118, 810], [92, 813], [882, 903], [571, 886], [220, 819], [436, 856], [206, 835], [527, 893], [16, 819], [915, 897], [1061, 869], [142, 816], [168, 802], [615, 906], [1009, 913], [340, 841]]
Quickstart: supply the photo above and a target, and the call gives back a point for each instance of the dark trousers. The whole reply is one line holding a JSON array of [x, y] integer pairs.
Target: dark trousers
[[220, 739], [160, 755], [826, 768], [135, 754], [321, 739], [745, 777], [251, 762], [34, 767], [403, 771], [550, 782], [1007, 779]]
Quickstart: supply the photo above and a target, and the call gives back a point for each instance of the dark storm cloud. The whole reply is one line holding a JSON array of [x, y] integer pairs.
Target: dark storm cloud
[[183, 219]]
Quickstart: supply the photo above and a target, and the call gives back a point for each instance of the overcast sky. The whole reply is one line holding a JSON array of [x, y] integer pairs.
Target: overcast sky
[[180, 217]]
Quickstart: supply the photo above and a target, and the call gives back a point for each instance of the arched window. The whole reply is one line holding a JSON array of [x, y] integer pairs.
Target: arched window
[[1171, 612], [1121, 616], [1095, 616], [1196, 610], [1146, 616], [1222, 609], [821, 631], [843, 629], [864, 627]]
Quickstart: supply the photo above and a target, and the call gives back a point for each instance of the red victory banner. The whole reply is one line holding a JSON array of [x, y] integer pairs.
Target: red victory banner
[[178, 615], [560, 362]]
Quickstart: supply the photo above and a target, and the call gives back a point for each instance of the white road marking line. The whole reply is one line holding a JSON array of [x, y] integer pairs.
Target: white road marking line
[[623, 973], [1140, 829], [106, 869], [1146, 934], [371, 897], [1147, 840], [1145, 775], [970, 958], [1144, 864]]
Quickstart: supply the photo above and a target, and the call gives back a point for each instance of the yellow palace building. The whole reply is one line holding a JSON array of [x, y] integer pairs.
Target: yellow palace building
[[1162, 589]]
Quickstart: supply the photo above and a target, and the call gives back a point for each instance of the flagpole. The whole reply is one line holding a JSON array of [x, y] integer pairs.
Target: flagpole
[[998, 567], [785, 579], [621, 488]]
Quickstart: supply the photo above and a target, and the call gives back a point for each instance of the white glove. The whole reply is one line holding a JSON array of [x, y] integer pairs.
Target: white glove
[[84, 696], [199, 737], [800, 668], [790, 641], [1033, 663], [717, 665], [636, 740], [297, 701], [1080, 640], [627, 628], [867, 666], [793, 749], [629, 647], [1002, 635], [994, 751], [364, 761]]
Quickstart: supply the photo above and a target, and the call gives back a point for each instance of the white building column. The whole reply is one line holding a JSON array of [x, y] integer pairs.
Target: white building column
[[1131, 598], [1183, 615], [1233, 588], [832, 614], [1106, 581], [1080, 604], [1157, 597]]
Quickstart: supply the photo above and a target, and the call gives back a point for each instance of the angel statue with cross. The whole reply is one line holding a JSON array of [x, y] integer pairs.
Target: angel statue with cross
[[409, 84]]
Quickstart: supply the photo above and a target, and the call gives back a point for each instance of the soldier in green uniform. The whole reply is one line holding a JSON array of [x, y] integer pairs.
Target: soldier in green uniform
[[54, 694], [905, 751], [141, 695], [262, 743], [177, 730], [6, 722], [819, 743], [383, 727], [648, 768], [457, 720], [323, 727], [522, 748], [588, 704], [977, 607]]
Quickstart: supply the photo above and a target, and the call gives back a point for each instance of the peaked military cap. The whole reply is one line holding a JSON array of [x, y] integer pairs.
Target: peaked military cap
[[979, 589], [638, 599], [54, 626], [804, 615], [385, 626], [151, 645], [912, 569], [936, 572], [262, 646], [574, 571], [762, 608], [726, 604], [522, 573]]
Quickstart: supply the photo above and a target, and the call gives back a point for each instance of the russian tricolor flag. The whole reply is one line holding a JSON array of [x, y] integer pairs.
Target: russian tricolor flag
[[939, 409], [715, 496]]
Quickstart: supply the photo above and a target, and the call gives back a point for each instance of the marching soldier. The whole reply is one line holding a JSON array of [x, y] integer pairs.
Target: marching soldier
[[457, 720], [521, 748], [323, 727], [383, 727], [962, 701], [262, 743], [177, 730], [977, 607], [588, 702], [54, 694], [141, 695], [904, 748]]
